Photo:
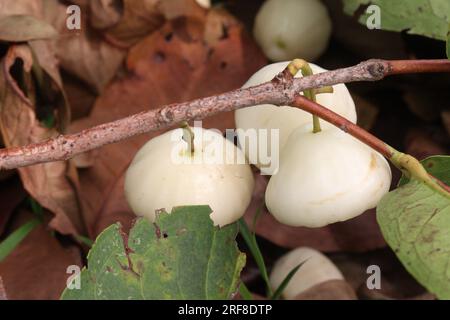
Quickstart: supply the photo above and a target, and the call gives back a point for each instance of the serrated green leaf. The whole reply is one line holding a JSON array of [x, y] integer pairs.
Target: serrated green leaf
[[428, 18], [181, 256], [415, 221]]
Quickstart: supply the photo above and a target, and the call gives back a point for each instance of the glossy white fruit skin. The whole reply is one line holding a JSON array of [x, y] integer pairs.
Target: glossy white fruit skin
[[204, 3], [324, 178], [286, 118], [317, 268], [154, 181], [289, 29]]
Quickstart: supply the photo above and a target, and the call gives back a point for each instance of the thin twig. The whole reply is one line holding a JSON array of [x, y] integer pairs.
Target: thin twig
[[280, 91]]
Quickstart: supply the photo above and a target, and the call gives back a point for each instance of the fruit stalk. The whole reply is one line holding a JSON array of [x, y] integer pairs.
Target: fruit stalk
[[406, 163]]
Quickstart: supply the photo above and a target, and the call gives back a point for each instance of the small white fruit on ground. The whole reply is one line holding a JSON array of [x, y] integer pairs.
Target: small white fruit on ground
[[204, 3], [164, 174], [288, 29], [316, 268], [326, 177], [286, 119]]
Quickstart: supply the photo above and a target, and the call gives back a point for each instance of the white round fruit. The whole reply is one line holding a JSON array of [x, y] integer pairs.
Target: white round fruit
[[286, 119], [164, 174], [315, 269], [326, 177], [204, 3], [289, 29]]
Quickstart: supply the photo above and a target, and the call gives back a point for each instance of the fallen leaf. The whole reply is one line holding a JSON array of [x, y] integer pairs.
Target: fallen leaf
[[105, 13], [329, 290], [36, 269], [139, 19], [358, 234], [53, 185], [171, 65], [20, 28], [84, 53]]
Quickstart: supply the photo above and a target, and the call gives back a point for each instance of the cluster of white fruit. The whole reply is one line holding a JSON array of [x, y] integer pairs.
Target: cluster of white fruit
[[323, 177]]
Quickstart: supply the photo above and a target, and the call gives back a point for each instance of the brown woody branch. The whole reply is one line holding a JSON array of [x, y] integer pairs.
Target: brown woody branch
[[282, 90]]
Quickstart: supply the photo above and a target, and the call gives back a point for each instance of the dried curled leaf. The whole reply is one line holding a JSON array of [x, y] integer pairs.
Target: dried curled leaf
[[54, 185], [20, 28]]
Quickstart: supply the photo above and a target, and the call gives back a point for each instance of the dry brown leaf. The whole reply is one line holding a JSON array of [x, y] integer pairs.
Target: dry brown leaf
[[81, 98], [359, 234], [84, 53], [139, 19], [329, 290], [105, 13], [11, 7], [162, 69], [90, 58], [19, 28], [53, 185], [36, 269]]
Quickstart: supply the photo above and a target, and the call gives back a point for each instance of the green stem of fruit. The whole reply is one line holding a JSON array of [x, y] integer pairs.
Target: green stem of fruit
[[410, 166], [188, 136], [297, 65], [413, 169]]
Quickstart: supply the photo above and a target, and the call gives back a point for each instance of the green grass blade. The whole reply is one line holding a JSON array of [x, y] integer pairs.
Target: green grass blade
[[13, 240], [285, 282], [252, 244], [245, 293], [85, 240]]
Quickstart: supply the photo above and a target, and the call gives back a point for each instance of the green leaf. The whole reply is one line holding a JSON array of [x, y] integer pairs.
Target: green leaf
[[245, 293], [20, 28], [180, 256], [428, 18], [250, 241], [85, 240], [415, 221], [13, 240], [285, 282]]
